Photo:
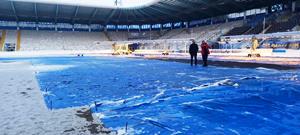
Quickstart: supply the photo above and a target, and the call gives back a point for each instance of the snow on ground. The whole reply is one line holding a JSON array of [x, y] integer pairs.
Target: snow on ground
[[283, 59], [23, 111], [47, 68], [241, 59], [53, 53]]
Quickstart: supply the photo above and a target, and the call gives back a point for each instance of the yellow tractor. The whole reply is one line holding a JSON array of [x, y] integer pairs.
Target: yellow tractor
[[122, 49], [253, 49], [166, 50]]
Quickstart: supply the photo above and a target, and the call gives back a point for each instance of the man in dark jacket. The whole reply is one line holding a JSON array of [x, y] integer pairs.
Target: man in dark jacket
[[193, 50], [205, 52]]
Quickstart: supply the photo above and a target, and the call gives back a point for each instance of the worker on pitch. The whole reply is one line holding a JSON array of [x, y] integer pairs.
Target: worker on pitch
[[193, 50], [205, 52]]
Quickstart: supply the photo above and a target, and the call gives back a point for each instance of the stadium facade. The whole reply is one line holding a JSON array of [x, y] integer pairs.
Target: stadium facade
[[28, 25], [163, 14]]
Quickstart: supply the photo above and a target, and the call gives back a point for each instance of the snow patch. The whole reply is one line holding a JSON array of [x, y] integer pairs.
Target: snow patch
[[249, 78], [267, 69], [197, 102], [48, 93], [115, 102], [99, 115], [50, 68], [234, 131], [124, 131], [225, 82], [25, 111], [247, 113], [181, 73]]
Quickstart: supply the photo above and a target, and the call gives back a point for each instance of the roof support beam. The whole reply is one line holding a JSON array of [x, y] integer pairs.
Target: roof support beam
[[14, 10], [132, 12], [191, 4], [56, 13], [167, 14], [127, 16], [36, 13], [143, 13], [171, 8], [110, 16], [75, 14], [211, 5], [119, 17], [157, 14], [93, 15], [236, 5]]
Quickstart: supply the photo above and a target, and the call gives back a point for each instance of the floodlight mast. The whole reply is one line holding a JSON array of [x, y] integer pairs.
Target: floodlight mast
[[118, 3]]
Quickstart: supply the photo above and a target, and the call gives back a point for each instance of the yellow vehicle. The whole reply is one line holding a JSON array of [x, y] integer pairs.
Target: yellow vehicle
[[122, 49], [253, 50], [166, 50]]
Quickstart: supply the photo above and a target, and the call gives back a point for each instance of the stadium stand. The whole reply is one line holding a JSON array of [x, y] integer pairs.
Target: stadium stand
[[281, 27], [144, 35], [277, 22], [133, 35], [117, 36], [285, 21], [209, 32], [238, 30], [52, 40], [257, 29], [11, 36]]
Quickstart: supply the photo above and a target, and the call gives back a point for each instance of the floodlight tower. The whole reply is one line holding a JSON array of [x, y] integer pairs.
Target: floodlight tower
[[118, 3]]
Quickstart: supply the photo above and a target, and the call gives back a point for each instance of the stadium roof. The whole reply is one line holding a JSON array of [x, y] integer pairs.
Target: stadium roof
[[156, 11], [98, 3]]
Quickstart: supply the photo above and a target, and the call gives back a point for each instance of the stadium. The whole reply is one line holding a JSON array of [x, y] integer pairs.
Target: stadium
[[126, 67]]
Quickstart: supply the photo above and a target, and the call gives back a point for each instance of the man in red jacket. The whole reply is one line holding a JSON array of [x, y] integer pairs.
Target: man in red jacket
[[205, 52]]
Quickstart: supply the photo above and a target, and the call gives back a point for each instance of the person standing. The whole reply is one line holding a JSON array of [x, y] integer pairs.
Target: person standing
[[193, 50], [205, 52]]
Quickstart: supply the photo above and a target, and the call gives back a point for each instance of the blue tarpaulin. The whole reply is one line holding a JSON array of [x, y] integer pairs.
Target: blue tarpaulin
[[156, 97]]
